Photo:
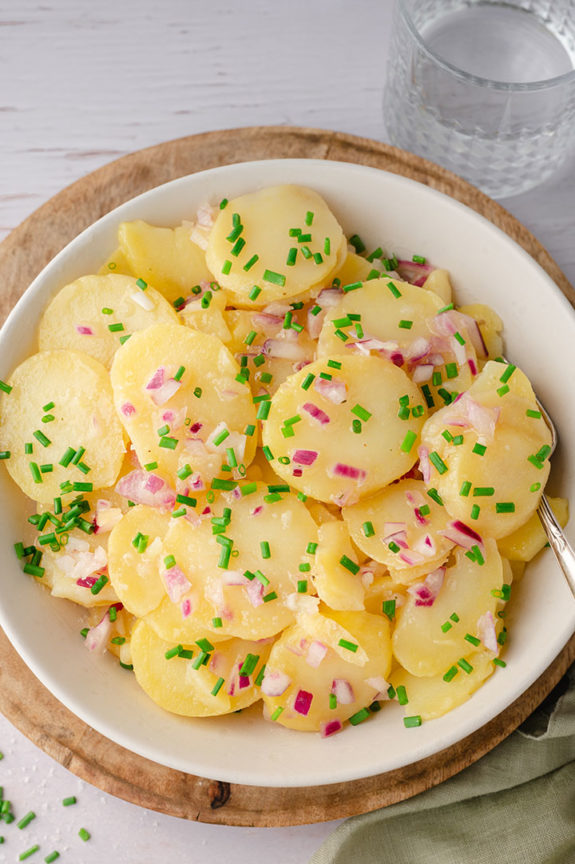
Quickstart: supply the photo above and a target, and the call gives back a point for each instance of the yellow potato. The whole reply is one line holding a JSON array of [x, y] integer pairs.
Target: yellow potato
[[84, 420], [404, 538], [165, 257], [338, 586], [116, 263], [354, 269], [344, 465], [439, 282], [175, 685], [222, 599], [208, 397], [206, 313], [381, 313], [293, 663], [420, 644], [264, 221], [524, 543], [75, 318], [433, 697], [507, 477], [136, 575], [490, 325]]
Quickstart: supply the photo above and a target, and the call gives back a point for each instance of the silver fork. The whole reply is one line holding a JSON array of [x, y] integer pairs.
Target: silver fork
[[555, 534]]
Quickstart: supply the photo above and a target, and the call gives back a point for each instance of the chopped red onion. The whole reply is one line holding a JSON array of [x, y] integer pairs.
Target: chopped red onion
[[411, 558], [328, 298], [343, 691], [303, 702], [255, 592], [472, 366], [87, 581], [425, 546], [283, 349], [257, 510], [186, 607], [316, 652], [423, 373], [316, 413], [157, 379], [304, 457], [97, 637], [419, 517], [487, 633], [176, 583], [380, 685], [267, 322], [84, 331], [424, 463], [275, 683], [127, 409], [341, 470], [413, 272], [163, 394], [335, 390], [426, 592], [330, 728], [461, 534], [418, 349]]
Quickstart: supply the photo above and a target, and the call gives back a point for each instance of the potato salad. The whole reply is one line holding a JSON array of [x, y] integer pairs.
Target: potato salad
[[274, 466]]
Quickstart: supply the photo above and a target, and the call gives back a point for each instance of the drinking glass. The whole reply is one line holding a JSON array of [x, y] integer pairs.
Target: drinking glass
[[486, 89]]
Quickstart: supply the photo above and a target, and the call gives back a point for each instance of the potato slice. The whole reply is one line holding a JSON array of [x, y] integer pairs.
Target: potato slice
[[496, 453], [338, 584], [207, 396], [490, 326], [165, 257], [75, 318], [175, 685], [328, 459], [270, 537], [433, 697], [310, 669], [354, 269], [427, 640], [381, 312], [256, 250], [439, 282], [116, 263], [400, 528], [136, 575], [524, 543], [84, 420]]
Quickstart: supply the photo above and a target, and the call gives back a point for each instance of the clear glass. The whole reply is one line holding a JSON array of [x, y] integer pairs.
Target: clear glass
[[486, 89]]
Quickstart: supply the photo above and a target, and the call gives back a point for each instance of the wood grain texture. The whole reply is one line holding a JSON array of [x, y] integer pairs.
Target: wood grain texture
[[24, 700]]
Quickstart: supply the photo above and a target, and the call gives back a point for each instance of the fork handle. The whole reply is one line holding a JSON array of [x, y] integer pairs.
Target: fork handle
[[558, 542]]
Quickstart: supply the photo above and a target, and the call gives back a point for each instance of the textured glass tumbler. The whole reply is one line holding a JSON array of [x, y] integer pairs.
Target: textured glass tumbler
[[485, 89]]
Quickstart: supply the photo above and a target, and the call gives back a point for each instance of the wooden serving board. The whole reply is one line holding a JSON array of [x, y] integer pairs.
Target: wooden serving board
[[27, 703]]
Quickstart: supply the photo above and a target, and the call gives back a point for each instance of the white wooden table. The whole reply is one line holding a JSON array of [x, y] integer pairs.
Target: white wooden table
[[84, 83]]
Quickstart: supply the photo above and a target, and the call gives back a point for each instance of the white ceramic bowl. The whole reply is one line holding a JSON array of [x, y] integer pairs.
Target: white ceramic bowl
[[486, 266]]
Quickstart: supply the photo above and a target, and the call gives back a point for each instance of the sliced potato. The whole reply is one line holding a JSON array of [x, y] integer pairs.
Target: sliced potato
[[293, 663], [497, 455], [167, 258], [433, 697], [81, 314], [490, 326], [175, 685], [524, 543], [338, 584], [354, 269], [439, 282], [116, 263], [270, 538], [84, 420], [427, 640], [400, 528], [328, 459], [207, 396], [265, 219], [206, 313], [135, 569]]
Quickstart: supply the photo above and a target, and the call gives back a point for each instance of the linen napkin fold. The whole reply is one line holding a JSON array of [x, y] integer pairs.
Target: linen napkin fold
[[516, 805]]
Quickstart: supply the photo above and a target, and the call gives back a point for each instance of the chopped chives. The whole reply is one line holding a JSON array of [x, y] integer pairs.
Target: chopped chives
[[318, 257], [226, 485], [263, 410], [483, 491], [151, 466], [99, 583], [427, 395], [475, 510], [115, 328], [277, 713], [332, 700], [221, 437], [306, 252], [503, 390], [334, 364], [84, 835], [341, 335], [409, 441], [472, 639], [349, 564], [435, 496], [291, 257], [224, 203], [361, 412], [184, 471], [349, 646], [388, 609], [357, 243], [327, 246], [508, 373], [198, 392], [446, 626], [304, 238], [394, 289], [28, 448], [438, 462], [35, 471], [267, 453], [505, 507], [377, 253], [308, 381], [405, 325], [450, 674], [259, 360], [186, 499], [356, 426], [531, 413], [274, 278], [28, 852], [368, 529], [217, 686], [451, 370], [436, 379], [141, 284], [53, 856], [67, 457], [302, 586], [309, 217], [479, 449], [173, 652], [256, 290], [261, 578], [168, 443], [402, 695], [39, 436], [418, 259], [265, 549], [359, 717], [465, 488], [352, 286], [499, 662], [6, 388], [535, 487], [393, 547], [459, 338], [411, 722], [25, 820]]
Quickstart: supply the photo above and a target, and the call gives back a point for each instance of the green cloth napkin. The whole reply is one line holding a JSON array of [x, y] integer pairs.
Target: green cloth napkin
[[516, 805]]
